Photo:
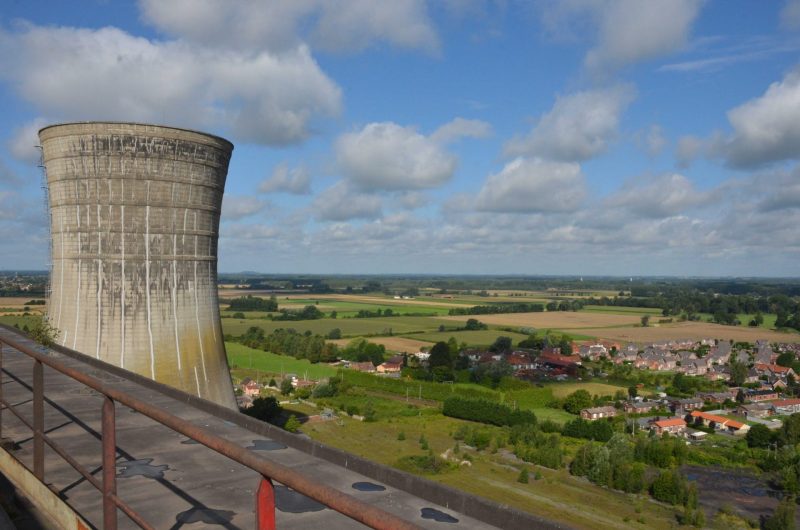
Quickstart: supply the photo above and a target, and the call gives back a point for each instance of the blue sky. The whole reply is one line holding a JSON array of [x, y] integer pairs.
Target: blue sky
[[455, 136]]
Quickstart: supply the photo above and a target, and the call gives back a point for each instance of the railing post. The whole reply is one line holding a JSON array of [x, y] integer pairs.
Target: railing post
[[2, 345], [38, 420], [265, 505], [109, 465]]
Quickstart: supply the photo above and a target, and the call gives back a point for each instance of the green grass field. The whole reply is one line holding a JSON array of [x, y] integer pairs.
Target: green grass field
[[244, 357], [351, 327], [351, 307], [19, 320], [492, 476], [745, 318]]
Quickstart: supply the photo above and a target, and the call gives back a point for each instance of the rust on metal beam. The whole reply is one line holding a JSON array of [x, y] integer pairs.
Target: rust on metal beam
[[109, 431], [38, 420]]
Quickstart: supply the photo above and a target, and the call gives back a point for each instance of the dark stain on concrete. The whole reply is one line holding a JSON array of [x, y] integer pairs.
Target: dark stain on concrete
[[288, 500], [438, 516], [266, 445], [368, 486], [189, 441], [205, 516], [137, 468]]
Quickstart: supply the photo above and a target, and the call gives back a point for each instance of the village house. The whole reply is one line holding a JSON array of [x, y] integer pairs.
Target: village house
[[672, 425], [754, 410], [786, 407], [682, 406], [718, 373], [251, 389], [718, 397], [761, 395], [742, 356], [596, 413], [774, 370], [720, 422], [366, 367], [520, 361], [640, 407], [390, 367]]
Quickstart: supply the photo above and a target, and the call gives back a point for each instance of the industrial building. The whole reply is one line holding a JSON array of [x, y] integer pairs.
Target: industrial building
[[134, 221]]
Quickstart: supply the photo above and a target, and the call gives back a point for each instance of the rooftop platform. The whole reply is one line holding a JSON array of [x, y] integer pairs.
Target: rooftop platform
[[175, 482]]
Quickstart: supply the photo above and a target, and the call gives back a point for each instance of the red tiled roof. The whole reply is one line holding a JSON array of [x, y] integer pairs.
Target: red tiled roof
[[718, 419], [786, 402], [672, 422]]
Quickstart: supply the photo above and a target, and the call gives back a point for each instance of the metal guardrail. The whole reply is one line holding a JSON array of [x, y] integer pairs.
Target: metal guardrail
[[265, 495]]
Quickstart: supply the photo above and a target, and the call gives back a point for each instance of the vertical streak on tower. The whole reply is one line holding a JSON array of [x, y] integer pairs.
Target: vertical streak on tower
[[132, 288]]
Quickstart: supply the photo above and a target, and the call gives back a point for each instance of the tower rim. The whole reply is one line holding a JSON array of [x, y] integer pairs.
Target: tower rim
[[140, 124]]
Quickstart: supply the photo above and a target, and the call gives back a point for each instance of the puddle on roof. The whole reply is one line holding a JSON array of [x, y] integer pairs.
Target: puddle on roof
[[141, 468], [438, 516], [368, 486]]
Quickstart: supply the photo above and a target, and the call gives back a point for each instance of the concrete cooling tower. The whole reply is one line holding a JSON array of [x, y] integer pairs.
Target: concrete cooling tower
[[134, 219]]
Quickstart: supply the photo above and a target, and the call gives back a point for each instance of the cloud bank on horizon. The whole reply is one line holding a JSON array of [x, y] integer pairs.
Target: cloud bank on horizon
[[479, 136]]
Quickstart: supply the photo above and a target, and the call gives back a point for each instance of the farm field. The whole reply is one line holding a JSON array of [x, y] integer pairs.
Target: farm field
[[556, 320], [484, 337], [347, 307], [622, 310], [15, 305], [562, 390], [243, 357], [688, 330], [394, 344], [350, 326]]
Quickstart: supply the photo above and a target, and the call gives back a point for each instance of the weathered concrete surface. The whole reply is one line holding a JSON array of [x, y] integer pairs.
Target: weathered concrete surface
[[175, 484], [134, 220]]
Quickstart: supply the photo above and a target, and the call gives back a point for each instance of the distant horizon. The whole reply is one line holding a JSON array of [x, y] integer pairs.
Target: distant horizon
[[469, 275]]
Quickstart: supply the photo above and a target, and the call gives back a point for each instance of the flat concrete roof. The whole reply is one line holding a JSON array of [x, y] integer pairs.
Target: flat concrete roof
[[173, 481]]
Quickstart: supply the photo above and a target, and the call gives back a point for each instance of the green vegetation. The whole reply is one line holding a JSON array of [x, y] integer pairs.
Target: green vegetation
[[502, 307], [253, 303], [270, 363], [484, 411]]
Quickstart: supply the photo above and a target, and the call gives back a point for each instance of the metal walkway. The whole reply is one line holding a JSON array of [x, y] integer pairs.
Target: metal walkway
[[174, 482]]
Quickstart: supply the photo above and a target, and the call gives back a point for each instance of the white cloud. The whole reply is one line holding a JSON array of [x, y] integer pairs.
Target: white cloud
[[688, 149], [387, 156], [84, 74], [23, 144], [652, 140], [411, 200], [353, 25], [237, 207], [628, 31], [7, 176], [790, 15], [663, 196], [461, 128], [340, 203], [767, 129], [281, 24], [532, 185], [578, 127], [631, 31], [296, 181]]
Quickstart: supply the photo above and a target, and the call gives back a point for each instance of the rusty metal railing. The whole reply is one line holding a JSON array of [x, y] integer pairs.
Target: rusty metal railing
[[265, 495]]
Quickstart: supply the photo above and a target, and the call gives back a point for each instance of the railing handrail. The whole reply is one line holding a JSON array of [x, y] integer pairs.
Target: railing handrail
[[343, 503]]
